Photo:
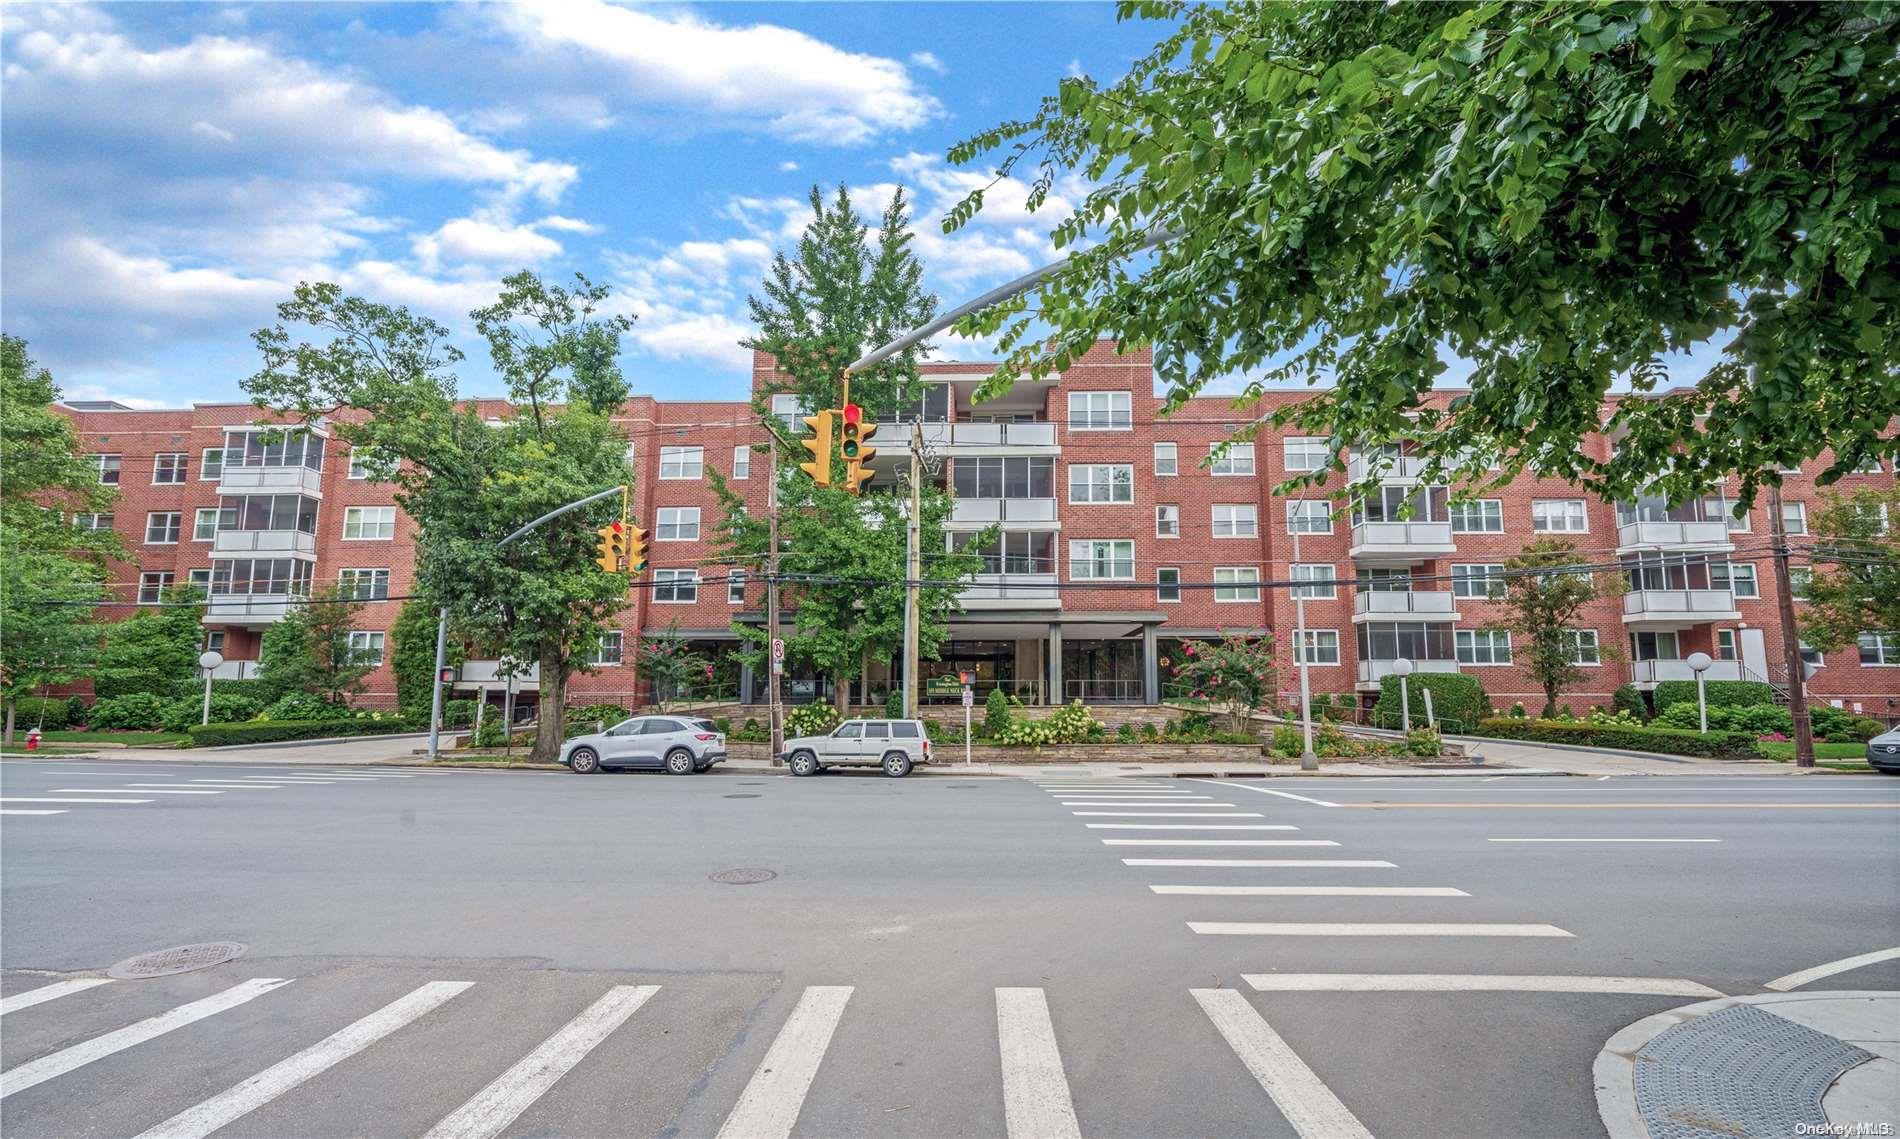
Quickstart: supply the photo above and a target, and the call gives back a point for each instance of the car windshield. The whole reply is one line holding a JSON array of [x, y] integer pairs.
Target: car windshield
[[624, 727]]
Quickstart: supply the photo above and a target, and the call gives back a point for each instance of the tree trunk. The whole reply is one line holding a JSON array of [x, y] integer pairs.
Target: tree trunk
[[551, 728], [1550, 702], [9, 731], [841, 694]]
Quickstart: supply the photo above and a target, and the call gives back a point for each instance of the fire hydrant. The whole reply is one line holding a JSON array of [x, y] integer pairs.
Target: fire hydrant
[[33, 739]]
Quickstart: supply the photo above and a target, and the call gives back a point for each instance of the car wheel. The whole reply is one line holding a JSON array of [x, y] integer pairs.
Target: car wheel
[[679, 761], [803, 763], [584, 761], [897, 765]]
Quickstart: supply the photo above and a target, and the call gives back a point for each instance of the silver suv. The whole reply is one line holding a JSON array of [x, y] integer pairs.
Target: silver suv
[[680, 745], [894, 745]]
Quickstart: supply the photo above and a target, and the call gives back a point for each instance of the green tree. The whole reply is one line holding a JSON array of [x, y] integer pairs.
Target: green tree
[[412, 654], [1559, 193], [1236, 674], [51, 574], [155, 650], [1854, 582], [669, 665], [1543, 600], [843, 292], [310, 650], [468, 483]]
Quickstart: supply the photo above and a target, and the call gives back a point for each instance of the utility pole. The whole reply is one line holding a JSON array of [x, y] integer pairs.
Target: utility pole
[[913, 571], [1309, 760], [1790, 636], [772, 663]]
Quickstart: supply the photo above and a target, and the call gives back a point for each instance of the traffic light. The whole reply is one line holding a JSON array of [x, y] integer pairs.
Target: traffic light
[[857, 456], [819, 444], [613, 546], [636, 549]]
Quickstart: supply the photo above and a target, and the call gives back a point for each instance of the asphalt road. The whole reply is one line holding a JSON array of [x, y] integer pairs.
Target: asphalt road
[[539, 954]]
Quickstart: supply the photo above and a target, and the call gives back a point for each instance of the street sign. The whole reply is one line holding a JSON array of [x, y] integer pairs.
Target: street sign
[[778, 649], [969, 697]]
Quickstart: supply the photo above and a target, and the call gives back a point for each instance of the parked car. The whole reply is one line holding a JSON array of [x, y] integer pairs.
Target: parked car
[[894, 745], [1883, 753], [678, 745]]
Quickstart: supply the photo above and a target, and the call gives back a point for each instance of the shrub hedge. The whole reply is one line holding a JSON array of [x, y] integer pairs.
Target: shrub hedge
[[181, 714], [1628, 699], [135, 711], [272, 731], [1721, 693], [1671, 741], [58, 711], [1457, 700]]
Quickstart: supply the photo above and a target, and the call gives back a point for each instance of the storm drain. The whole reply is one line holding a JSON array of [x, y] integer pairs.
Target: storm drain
[[745, 876], [177, 959], [1740, 1071]]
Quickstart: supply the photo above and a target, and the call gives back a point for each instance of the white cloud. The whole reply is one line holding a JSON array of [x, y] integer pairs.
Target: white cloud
[[780, 80], [476, 239], [929, 62], [787, 166], [100, 391]]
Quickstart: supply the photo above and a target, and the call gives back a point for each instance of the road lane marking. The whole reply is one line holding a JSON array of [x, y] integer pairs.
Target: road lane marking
[[1375, 929], [1170, 814], [1470, 983], [512, 1092], [1036, 1101], [233, 785], [1317, 891], [246, 1097], [1218, 842], [65, 1060], [1266, 863], [57, 811], [51, 992], [286, 780], [1190, 826], [45, 799], [769, 1106], [1603, 840], [1802, 977], [1624, 806], [132, 790], [1229, 784], [1602, 778], [1302, 1097], [215, 788], [1136, 803]]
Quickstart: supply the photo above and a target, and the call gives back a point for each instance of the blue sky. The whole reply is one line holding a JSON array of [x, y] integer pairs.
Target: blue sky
[[173, 169]]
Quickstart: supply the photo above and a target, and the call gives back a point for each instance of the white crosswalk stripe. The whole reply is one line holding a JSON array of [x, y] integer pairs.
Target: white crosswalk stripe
[[1315, 891], [12, 811], [501, 1102], [1302, 1097], [1169, 814], [1218, 842], [1376, 929], [1036, 1101], [50, 992], [1267, 863], [136, 791], [1190, 826], [769, 1106], [53, 799]]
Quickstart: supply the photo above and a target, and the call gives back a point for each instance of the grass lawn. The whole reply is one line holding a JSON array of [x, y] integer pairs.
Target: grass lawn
[[1784, 749], [130, 739]]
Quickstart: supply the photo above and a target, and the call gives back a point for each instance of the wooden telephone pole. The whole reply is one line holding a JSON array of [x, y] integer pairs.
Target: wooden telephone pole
[[1790, 635]]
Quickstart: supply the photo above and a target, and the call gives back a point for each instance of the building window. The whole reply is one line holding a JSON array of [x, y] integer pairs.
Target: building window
[[1004, 478], [245, 577], [1168, 584], [1482, 646], [161, 528], [1101, 482], [214, 640], [1725, 644], [1794, 517], [1583, 646], [1236, 520], [735, 587], [1559, 516], [152, 587], [1230, 459], [1720, 508], [1100, 411], [273, 447], [676, 524], [108, 469], [785, 406], [1482, 580], [369, 523], [682, 462], [1309, 517], [359, 469], [367, 648], [1880, 649], [1327, 590], [365, 584], [1479, 516], [1167, 520], [1376, 579], [742, 462], [169, 467], [1736, 576], [204, 524], [1321, 647], [101, 521], [1868, 466], [675, 586], [211, 464], [1166, 462], [1655, 646], [1236, 583], [1102, 560], [270, 512], [1305, 453], [606, 651], [199, 580]]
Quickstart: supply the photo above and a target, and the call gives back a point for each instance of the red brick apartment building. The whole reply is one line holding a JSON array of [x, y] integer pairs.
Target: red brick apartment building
[[1119, 538]]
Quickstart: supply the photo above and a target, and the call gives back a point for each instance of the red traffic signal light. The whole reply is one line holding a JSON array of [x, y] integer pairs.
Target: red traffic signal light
[[447, 676], [853, 414]]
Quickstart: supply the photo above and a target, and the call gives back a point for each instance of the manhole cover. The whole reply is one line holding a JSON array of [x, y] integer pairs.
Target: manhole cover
[[177, 959], [748, 795], [745, 876]]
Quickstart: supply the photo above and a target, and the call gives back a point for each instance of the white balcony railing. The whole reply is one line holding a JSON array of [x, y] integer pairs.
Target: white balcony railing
[[249, 608], [236, 670], [970, 437], [1403, 541], [489, 672], [1012, 591], [1672, 536], [1656, 671], [240, 543], [984, 511], [1426, 605], [1371, 672], [1679, 606], [271, 480], [1404, 468]]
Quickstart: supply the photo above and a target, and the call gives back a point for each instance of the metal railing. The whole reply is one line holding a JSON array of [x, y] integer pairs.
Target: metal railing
[[1664, 535], [986, 510], [1432, 604], [1691, 604], [1400, 536], [1103, 691]]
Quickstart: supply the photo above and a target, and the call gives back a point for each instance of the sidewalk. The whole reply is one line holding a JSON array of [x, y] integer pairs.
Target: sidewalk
[[1823, 1063], [1573, 761]]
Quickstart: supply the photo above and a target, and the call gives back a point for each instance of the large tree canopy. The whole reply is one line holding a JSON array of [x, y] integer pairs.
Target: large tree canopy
[[1558, 193]]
